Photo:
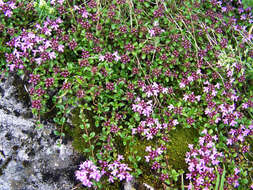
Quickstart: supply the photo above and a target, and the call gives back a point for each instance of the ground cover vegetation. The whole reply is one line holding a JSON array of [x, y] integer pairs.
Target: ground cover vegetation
[[158, 91]]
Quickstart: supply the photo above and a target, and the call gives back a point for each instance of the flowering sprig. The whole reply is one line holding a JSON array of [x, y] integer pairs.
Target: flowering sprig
[[88, 172], [202, 162], [119, 171], [7, 8], [239, 135], [143, 107]]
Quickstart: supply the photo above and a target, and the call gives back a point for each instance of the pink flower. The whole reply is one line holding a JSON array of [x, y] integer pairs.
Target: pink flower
[[217, 120], [201, 141], [190, 78], [61, 2], [85, 14], [236, 170], [181, 85], [38, 60], [120, 157], [1, 3], [165, 90], [147, 158], [52, 55], [245, 106], [148, 149], [12, 67], [8, 13], [185, 97], [217, 86], [159, 151], [214, 93], [116, 55], [175, 122], [111, 180], [204, 131], [190, 146], [101, 58], [151, 32], [61, 48]]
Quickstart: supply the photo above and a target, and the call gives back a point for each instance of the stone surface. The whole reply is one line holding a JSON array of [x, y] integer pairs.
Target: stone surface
[[30, 158]]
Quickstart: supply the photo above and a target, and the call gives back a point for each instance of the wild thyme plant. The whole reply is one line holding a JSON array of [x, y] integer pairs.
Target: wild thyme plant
[[122, 76]]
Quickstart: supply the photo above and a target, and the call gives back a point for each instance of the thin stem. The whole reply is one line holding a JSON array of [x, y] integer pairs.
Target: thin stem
[[77, 186], [130, 3], [87, 133], [71, 10], [216, 72]]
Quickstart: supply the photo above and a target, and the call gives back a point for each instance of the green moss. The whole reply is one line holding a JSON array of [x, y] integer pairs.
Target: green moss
[[178, 146], [76, 132]]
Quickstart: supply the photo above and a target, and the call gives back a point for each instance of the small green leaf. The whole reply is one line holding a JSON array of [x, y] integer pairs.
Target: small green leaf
[[223, 179], [81, 126], [86, 150], [92, 134], [57, 133], [85, 137], [137, 116], [138, 158]]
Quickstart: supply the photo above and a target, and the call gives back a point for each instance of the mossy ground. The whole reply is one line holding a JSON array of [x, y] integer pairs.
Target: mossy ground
[[178, 146]]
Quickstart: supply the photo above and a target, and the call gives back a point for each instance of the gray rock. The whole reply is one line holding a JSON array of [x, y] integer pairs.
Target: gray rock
[[29, 157]]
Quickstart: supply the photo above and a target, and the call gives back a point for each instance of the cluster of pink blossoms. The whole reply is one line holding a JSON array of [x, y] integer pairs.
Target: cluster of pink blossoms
[[153, 153], [7, 7], [53, 2], [221, 112], [239, 134], [87, 172], [154, 89], [31, 46], [142, 107], [118, 170], [202, 162], [150, 128], [110, 57]]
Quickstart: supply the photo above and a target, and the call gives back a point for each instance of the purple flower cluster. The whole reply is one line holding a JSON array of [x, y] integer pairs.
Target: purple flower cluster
[[34, 79], [125, 59], [36, 104], [114, 128], [31, 46], [186, 80], [202, 162], [191, 97], [110, 86], [66, 85], [7, 7], [149, 128], [142, 107], [119, 171], [154, 89], [224, 112], [239, 134], [49, 82], [154, 153], [88, 172]]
